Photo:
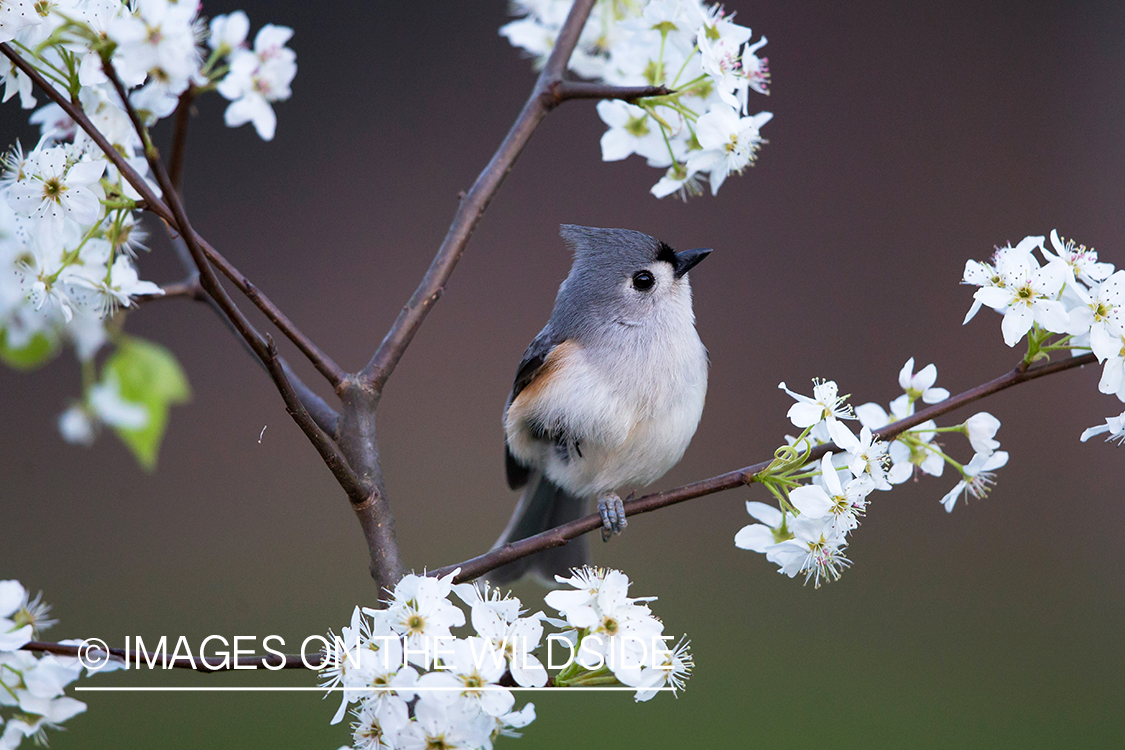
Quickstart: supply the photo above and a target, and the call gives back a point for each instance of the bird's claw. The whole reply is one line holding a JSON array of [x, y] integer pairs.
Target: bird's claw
[[612, 511]]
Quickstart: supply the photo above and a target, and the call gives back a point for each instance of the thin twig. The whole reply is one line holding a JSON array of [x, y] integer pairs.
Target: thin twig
[[324, 415], [324, 364], [565, 90], [544, 98], [208, 664], [207, 277], [179, 138], [189, 288], [560, 535], [327, 448]]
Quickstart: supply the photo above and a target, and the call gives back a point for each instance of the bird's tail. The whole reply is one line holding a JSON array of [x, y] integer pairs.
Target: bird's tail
[[542, 506]]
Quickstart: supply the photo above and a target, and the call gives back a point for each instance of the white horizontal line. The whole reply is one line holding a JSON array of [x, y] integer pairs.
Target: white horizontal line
[[216, 689]]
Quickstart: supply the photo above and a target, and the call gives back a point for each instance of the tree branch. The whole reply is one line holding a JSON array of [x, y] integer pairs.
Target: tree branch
[[324, 415], [324, 364], [179, 137], [324, 444], [360, 443], [544, 97], [189, 288], [210, 664], [565, 90], [560, 535]]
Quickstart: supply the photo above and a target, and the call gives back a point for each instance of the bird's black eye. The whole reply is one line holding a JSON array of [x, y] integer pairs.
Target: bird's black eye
[[643, 281]]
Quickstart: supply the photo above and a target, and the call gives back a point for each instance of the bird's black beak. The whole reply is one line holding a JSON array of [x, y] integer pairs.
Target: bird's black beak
[[687, 259]]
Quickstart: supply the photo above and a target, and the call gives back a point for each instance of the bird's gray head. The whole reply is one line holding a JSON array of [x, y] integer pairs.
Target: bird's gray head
[[624, 277]]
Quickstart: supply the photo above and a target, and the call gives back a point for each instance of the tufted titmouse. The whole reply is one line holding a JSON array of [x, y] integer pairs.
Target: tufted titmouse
[[609, 393]]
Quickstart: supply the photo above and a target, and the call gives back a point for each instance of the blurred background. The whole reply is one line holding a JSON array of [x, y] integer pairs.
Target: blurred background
[[906, 139]]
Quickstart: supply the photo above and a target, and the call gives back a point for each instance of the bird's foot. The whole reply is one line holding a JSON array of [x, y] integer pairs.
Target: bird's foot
[[612, 511]]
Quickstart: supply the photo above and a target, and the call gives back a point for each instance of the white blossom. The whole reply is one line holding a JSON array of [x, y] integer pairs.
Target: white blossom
[[228, 32], [703, 129], [867, 455], [730, 143], [157, 42], [1113, 372], [921, 384], [56, 189], [977, 478], [1028, 296], [771, 529], [1115, 426], [123, 284], [987, 274], [982, 428], [1080, 260], [1101, 312], [420, 611], [840, 505], [814, 550], [473, 671], [15, 15], [259, 77], [631, 131], [825, 404]]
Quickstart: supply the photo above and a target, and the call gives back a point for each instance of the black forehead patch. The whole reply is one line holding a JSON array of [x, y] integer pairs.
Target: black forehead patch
[[666, 254]]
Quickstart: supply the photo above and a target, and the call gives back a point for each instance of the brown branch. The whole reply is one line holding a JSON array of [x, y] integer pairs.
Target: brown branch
[[560, 535], [356, 432], [565, 90], [179, 137], [189, 288], [378, 524], [324, 415], [207, 277], [210, 664], [544, 97], [321, 361], [324, 364], [324, 444]]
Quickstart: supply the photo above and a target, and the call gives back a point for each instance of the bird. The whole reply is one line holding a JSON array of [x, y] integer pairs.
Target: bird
[[607, 396]]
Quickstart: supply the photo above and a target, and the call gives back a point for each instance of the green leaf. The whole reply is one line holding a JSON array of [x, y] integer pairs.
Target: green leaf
[[146, 367], [38, 352], [150, 375]]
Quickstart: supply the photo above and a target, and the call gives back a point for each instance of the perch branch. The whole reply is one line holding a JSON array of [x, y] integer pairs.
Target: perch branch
[[560, 535]]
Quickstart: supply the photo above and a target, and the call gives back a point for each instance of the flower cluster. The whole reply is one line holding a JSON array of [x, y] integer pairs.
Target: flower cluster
[[31, 687], [1071, 295], [415, 683], [808, 533], [256, 77], [613, 636], [69, 227], [703, 130]]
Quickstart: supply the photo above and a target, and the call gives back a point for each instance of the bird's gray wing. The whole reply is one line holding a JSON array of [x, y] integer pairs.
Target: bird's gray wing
[[530, 365]]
